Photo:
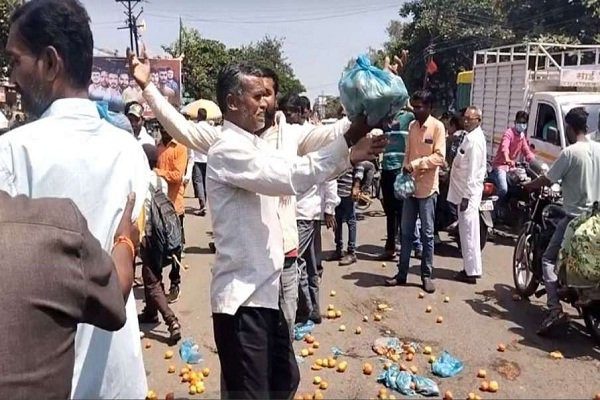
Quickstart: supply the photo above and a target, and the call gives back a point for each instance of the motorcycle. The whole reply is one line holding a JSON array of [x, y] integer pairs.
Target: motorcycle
[[516, 198], [545, 212]]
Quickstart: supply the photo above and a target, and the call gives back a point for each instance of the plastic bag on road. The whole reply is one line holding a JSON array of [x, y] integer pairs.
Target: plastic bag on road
[[189, 352], [446, 365], [371, 91], [401, 381], [425, 386], [397, 380], [404, 186], [301, 330]]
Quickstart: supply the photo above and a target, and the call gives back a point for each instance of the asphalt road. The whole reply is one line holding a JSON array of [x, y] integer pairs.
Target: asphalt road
[[475, 321]]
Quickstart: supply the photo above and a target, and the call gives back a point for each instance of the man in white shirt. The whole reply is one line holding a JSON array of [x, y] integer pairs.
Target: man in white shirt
[[466, 187], [313, 206], [244, 176], [135, 113], [199, 171], [292, 139], [70, 152]]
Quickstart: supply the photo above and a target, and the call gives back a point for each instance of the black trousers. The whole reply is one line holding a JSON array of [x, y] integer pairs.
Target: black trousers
[[175, 274], [199, 182], [392, 208], [256, 355]]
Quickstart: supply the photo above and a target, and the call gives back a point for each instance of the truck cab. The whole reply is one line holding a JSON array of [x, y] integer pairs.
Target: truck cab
[[544, 79], [547, 132]]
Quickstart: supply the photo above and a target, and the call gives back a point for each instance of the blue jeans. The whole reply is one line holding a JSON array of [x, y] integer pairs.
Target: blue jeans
[[345, 212], [549, 259], [499, 178], [412, 209]]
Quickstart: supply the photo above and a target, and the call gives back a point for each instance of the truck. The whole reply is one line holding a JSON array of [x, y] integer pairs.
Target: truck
[[544, 79]]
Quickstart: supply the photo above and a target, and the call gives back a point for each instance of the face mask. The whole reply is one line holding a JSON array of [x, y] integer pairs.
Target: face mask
[[521, 127]]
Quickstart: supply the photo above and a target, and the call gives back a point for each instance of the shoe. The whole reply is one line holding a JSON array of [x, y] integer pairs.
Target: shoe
[[348, 259], [436, 239], [337, 256], [462, 276], [386, 256], [174, 292], [201, 212], [316, 317], [395, 281], [428, 285], [147, 318], [554, 318], [175, 331], [418, 254]]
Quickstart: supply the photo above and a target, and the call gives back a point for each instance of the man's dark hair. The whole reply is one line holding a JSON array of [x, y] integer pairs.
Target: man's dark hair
[[96, 69], [64, 25], [577, 119], [229, 81], [304, 103], [522, 115], [424, 96], [269, 73], [290, 102], [202, 114]]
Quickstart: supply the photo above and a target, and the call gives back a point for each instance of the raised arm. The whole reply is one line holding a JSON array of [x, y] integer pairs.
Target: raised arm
[[196, 136]]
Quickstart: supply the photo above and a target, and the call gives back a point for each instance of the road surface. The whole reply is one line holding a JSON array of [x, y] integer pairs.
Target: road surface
[[475, 321]]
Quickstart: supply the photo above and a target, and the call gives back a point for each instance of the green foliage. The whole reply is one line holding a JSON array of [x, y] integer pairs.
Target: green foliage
[[6, 9], [203, 58], [456, 28]]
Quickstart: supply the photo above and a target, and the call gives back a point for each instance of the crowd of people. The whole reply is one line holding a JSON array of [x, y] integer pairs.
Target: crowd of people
[[82, 198]]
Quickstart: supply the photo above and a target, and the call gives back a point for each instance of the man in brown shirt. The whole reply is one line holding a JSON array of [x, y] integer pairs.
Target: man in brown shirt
[[55, 276], [425, 154]]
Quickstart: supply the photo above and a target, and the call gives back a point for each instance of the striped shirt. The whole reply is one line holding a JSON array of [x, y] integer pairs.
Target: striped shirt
[[346, 180]]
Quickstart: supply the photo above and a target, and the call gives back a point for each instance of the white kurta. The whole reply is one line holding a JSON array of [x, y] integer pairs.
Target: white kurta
[[71, 153], [466, 182]]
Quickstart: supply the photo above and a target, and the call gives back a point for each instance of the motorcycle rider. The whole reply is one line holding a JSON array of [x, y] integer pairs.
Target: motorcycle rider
[[512, 146], [466, 187], [578, 167]]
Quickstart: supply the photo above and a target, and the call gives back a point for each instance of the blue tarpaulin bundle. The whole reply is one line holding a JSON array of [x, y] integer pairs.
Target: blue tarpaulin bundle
[[446, 365], [404, 186], [371, 91], [401, 381]]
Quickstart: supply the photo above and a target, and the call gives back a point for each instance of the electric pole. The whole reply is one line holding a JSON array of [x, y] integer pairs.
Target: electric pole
[[131, 22]]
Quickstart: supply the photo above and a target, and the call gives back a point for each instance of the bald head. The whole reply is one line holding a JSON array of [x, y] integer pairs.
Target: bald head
[[472, 118]]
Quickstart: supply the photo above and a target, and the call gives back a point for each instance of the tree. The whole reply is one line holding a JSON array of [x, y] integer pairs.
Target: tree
[[450, 31], [268, 52], [6, 9], [203, 58], [332, 107]]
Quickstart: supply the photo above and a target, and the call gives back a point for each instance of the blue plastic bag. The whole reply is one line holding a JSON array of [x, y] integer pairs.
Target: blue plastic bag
[[397, 380], [404, 186], [301, 330], [114, 118], [368, 90], [189, 352], [425, 386], [446, 365]]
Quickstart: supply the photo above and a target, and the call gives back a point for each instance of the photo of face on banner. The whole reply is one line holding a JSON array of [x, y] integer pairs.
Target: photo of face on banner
[[110, 82]]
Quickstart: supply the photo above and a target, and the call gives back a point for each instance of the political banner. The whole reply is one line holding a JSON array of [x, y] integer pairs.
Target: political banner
[[111, 82]]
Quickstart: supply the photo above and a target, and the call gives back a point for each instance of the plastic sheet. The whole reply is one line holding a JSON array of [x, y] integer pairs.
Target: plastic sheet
[[189, 352], [371, 91], [446, 365], [404, 186], [301, 330]]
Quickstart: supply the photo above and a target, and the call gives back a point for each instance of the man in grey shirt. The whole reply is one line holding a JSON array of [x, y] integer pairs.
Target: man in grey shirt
[[54, 276], [578, 170]]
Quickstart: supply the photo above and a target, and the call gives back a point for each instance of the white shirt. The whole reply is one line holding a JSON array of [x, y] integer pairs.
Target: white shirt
[[468, 169], [145, 138], [316, 201], [71, 153], [244, 176], [294, 140]]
